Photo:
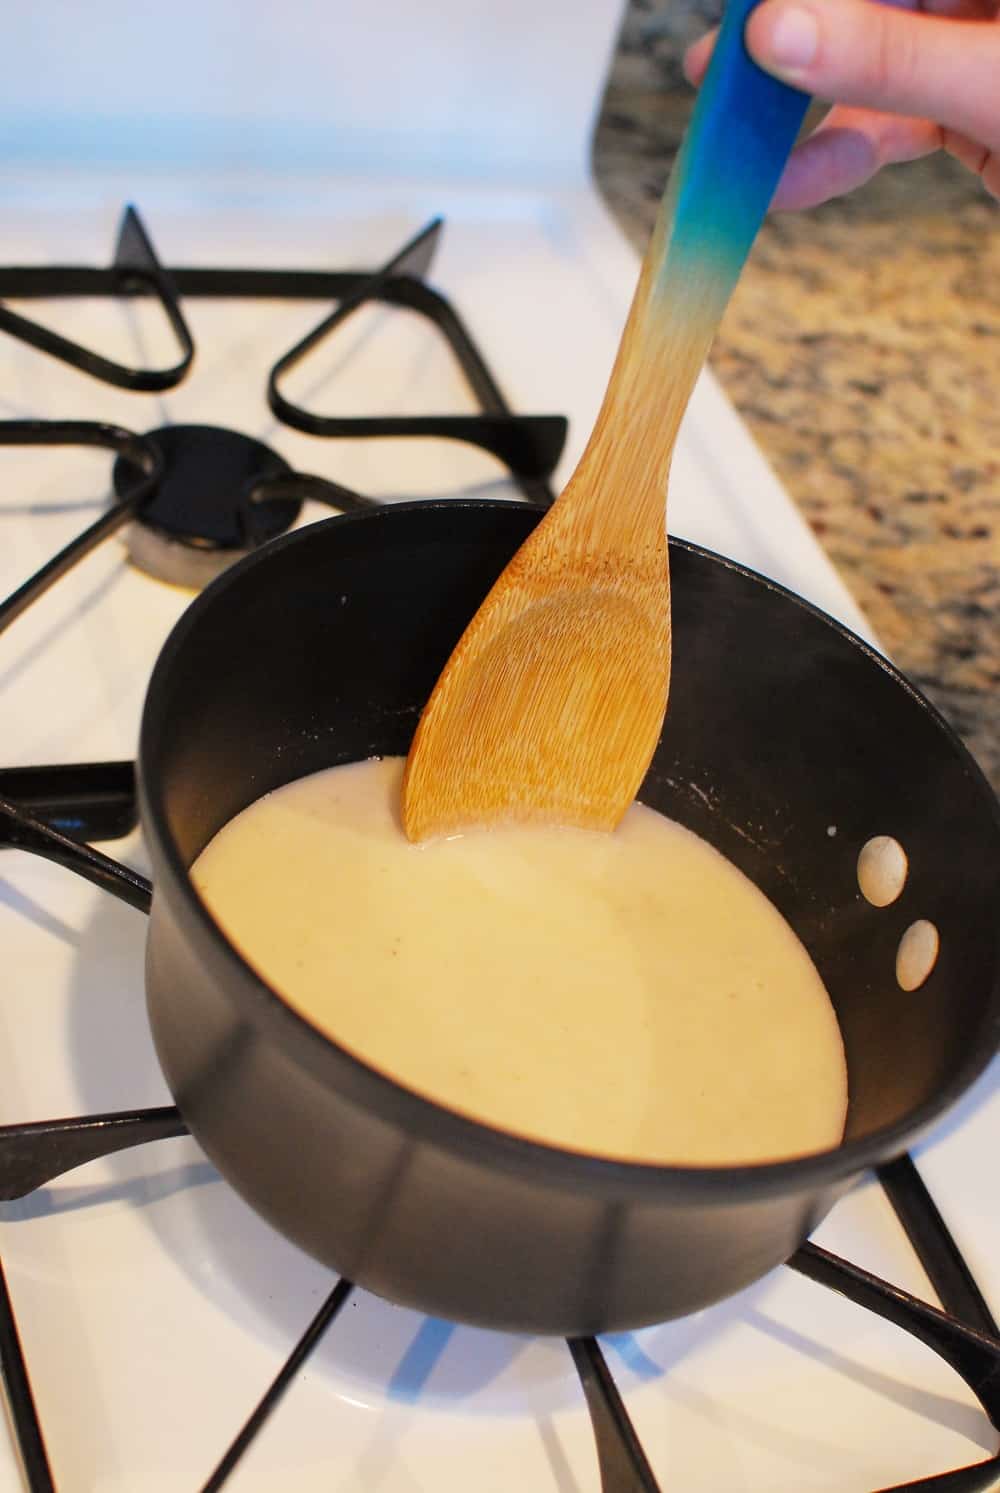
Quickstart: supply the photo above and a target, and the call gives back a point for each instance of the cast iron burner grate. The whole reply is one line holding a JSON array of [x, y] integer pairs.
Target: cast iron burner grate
[[530, 445], [55, 811], [197, 498]]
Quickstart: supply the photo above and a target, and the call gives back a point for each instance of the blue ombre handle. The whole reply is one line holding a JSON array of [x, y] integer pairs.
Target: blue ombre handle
[[740, 135]]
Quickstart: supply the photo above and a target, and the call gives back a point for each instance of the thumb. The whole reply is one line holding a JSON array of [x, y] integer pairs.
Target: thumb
[[898, 61]]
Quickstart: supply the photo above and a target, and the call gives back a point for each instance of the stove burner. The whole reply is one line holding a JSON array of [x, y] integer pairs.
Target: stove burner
[[202, 516]]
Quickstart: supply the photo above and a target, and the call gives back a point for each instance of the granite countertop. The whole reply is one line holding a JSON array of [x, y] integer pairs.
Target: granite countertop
[[862, 347]]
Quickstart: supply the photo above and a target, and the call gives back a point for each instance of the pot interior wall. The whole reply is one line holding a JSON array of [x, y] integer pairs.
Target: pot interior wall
[[786, 745]]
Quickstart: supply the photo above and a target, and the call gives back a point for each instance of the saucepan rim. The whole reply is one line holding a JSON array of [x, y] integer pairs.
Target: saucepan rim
[[449, 1129]]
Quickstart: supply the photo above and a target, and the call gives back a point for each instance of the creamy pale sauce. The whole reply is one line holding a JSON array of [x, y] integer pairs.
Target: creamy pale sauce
[[629, 995]]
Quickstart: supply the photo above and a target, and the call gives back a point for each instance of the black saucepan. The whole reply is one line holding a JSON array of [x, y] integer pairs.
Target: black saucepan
[[787, 745]]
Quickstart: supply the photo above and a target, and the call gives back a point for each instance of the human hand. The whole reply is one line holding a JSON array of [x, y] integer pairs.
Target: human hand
[[906, 78]]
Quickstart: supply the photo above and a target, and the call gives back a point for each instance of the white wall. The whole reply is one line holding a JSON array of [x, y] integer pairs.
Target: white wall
[[472, 87]]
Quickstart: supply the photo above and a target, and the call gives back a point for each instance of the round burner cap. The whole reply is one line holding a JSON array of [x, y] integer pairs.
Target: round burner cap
[[201, 518]]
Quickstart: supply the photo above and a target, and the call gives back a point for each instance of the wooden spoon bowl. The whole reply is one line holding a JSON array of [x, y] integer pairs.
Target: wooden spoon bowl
[[551, 706]]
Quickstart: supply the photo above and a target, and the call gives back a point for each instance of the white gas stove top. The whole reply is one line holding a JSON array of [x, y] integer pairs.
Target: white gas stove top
[[154, 1308]]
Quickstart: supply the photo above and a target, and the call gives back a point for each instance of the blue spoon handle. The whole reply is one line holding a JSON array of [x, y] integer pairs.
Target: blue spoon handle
[[740, 135], [742, 129]]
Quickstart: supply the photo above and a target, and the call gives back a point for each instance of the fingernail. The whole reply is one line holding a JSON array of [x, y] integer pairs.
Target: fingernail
[[793, 41]]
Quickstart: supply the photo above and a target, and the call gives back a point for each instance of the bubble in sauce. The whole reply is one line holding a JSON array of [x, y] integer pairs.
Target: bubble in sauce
[[882, 868], [917, 954]]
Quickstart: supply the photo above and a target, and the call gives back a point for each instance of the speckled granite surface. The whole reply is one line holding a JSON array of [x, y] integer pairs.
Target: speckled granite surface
[[863, 349]]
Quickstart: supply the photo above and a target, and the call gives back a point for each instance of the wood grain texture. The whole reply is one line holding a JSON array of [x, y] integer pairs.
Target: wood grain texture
[[551, 706]]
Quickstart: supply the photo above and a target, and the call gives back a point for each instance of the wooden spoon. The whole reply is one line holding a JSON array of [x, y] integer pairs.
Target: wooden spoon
[[552, 703]]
